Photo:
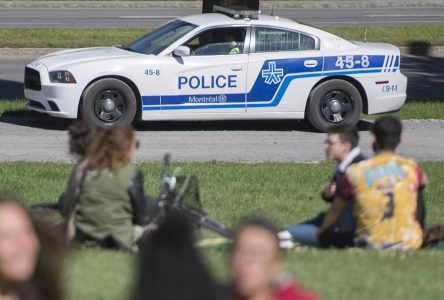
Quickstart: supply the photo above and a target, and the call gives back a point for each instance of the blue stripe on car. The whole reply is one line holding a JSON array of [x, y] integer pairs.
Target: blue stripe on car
[[270, 95]]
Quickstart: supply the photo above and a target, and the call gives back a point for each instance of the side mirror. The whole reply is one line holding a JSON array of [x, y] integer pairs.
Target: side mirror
[[182, 51]]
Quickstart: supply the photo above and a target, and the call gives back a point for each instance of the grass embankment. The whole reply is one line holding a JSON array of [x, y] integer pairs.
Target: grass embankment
[[413, 109], [17, 106], [285, 192], [89, 37], [396, 35]]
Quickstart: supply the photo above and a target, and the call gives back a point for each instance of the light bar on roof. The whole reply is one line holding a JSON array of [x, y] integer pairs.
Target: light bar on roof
[[237, 12]]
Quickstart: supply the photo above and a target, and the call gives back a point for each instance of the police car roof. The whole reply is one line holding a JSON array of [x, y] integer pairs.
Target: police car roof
[[218, 18]]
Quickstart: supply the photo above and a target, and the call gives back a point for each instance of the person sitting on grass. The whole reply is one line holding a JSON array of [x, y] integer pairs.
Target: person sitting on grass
[[111, 203], [341, 146], [31, 255], [80, 136], [257, 265], [386, 192]]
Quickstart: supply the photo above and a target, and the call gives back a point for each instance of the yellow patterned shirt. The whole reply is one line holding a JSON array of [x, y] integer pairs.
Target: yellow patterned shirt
[[385, 190]]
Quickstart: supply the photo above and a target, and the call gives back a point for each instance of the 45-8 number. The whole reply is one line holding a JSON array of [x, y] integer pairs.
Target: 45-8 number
[[152, 72], [350, 61]]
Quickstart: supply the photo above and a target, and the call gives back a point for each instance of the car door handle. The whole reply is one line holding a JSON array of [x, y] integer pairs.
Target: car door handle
[[236, 68], [310, 63]]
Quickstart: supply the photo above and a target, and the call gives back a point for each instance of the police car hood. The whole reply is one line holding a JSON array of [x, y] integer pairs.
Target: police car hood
[[69, 57]]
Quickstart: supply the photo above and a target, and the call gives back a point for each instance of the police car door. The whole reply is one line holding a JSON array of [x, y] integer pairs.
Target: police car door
[[284, 65], [210, 80]]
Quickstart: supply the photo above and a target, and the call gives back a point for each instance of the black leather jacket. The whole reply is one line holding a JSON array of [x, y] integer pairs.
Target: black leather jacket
[[145, 208]]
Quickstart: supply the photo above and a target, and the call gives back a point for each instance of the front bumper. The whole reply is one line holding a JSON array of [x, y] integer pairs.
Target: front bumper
[[55, 99]]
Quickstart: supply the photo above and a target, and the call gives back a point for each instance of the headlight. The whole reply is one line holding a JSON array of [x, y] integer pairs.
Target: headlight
[[61, 77]]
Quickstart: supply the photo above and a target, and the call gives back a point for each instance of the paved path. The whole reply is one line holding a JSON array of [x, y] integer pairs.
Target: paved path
[[153, 17], [45, 139], [198, 3]]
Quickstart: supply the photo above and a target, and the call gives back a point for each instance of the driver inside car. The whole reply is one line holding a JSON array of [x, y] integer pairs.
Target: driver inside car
[[230, 40], [219, 42]]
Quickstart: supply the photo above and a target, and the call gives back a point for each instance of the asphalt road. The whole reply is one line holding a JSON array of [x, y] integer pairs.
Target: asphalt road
[[424, 73], [45, 139], [150, 17]]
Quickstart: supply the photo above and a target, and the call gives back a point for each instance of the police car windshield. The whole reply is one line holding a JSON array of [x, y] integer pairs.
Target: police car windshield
[[159, 39]]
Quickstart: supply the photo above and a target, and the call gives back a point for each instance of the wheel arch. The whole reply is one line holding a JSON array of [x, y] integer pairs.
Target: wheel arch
[[126, 80], [350, 80]]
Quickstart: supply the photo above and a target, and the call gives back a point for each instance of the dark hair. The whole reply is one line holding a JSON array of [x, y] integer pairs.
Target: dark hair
[[387, 131], [109, 148], [80, 136], [347, 135], [171, 267], [46, 282], [47, 276], [257, 222]]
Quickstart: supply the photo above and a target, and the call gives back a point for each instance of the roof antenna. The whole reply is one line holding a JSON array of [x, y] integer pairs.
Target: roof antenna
[[272, 10], [365, 35]]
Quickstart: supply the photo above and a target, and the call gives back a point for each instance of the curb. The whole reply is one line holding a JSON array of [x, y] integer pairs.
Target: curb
[[313, 4], [12, 53]]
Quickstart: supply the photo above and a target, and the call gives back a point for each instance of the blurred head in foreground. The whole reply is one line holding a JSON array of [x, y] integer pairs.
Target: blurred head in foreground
[[29, 256], [258, 266], [256, 258], [171, 267]]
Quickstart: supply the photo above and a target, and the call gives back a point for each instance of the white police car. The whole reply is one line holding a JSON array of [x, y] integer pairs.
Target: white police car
[[218, 67]]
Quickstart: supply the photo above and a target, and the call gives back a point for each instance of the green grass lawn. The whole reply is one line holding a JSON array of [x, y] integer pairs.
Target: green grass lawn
[[413, 109], [287, 193], [397, 35], [89, 37]]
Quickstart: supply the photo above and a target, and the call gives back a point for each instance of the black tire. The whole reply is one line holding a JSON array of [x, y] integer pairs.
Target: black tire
[[334, 103], [107, 102]]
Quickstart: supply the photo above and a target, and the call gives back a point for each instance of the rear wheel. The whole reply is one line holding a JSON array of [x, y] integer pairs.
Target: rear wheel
[[107, 102], [334, 103]]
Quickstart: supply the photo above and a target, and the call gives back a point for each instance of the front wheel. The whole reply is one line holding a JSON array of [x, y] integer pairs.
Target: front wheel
[[334, 103], [107, 102]]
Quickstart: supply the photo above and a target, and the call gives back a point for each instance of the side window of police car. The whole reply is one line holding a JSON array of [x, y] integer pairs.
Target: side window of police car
[[220, 41], [273, 40]]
